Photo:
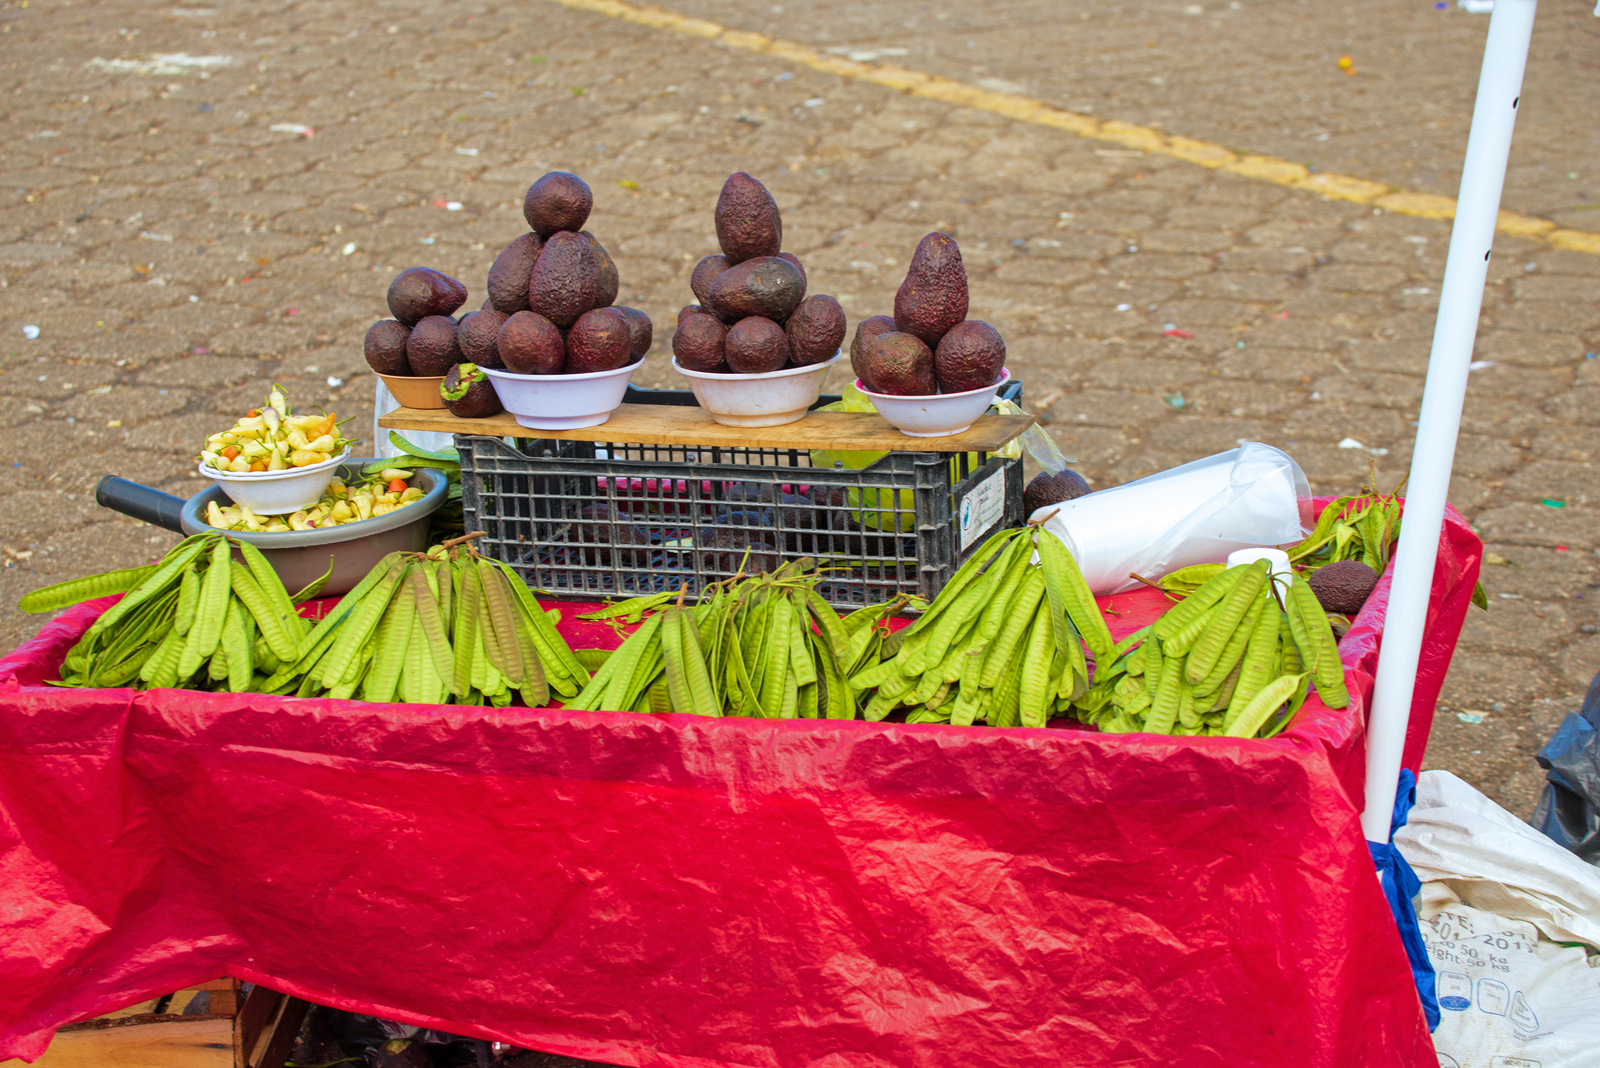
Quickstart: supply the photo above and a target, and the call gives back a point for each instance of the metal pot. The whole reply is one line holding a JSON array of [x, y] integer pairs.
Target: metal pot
[[298, 556]]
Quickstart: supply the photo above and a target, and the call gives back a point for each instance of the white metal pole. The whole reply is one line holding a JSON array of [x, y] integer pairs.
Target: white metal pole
[[1505, 54]]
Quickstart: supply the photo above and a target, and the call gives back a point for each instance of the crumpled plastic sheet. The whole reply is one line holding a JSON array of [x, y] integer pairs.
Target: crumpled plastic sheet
[[677, 891]]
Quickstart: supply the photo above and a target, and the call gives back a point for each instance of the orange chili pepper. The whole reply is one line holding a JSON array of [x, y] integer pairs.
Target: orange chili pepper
[[397, 485]]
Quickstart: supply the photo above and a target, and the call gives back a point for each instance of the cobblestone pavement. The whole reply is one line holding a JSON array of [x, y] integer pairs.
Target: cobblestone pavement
[[181, 238]]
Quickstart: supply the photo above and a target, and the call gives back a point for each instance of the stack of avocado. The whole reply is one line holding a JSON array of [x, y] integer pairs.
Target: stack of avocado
[[929, 345], [551, 293], [753, 315], [421, 340], [549, 309]]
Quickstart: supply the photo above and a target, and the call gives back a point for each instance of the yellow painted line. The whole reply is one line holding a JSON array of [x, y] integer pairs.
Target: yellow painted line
[[1026, 109]]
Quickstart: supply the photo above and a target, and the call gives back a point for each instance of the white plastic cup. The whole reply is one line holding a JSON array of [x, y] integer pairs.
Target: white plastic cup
[[935, 415], [562, 402], [1280, 569], [277, 492], [770, 399]]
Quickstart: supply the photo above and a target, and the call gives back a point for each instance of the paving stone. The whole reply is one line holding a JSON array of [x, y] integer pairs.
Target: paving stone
[[1540, 525], [1570, 483], [1516, 626], [1530, 349]]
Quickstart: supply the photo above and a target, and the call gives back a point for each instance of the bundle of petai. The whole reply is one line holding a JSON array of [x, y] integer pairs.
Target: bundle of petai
[[1003, 642], [442, 627], [766, 646], [1237, 657], [199, 619]]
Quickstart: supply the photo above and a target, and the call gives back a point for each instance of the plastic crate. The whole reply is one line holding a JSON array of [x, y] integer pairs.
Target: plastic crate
[[613, 519]]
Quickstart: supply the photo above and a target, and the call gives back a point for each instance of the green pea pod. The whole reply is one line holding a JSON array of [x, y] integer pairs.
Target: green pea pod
[[451, 455], [632, 609], [1255, 670], [1187, 611], [1062, 570], [236, 644], [314, 587], [74, 591], [1230, 612], [1019, 615], [1036, 676], [1254, 715], [166, 573], [1188, 579], [1164, 702], [210, 613]]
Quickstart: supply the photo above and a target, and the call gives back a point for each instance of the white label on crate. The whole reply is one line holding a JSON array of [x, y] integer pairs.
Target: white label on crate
[[982, 507]]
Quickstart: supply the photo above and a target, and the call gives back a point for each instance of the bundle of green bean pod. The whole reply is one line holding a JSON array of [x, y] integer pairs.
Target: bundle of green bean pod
[[1237, 657], [766, 646], [444, 627], [199, 619], [1003, 642]]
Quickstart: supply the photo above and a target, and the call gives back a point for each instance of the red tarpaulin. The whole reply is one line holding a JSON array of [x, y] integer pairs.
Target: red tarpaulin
[[671, 890]]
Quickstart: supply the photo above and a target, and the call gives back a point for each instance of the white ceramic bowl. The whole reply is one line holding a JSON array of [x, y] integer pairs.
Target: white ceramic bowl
[[277, 492], [562, 402], [937, 415], [769, 399]]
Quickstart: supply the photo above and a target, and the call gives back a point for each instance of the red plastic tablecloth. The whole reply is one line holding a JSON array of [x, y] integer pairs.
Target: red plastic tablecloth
[[670, 890]]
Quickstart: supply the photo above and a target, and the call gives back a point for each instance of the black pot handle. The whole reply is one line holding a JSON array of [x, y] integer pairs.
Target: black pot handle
[[141, 502]]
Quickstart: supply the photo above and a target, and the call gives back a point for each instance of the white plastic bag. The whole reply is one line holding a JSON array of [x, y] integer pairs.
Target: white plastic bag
[[1496, 862], [384, 403], [1498, 901], [1197, 513]]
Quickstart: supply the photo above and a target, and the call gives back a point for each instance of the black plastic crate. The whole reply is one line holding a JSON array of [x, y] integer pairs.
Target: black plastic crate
[[589, 520]]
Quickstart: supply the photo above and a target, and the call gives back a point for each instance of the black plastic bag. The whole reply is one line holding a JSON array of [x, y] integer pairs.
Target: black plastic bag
[[1569, 811]]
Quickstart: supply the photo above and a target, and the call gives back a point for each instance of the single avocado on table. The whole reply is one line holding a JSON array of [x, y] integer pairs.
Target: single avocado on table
[[558, 201], [969, 356], [418, 292], [433, 346], [565, 280], [477, 335], [700, 343], [601, 340], [933, 297], [707, 271], [815, 330], [901, 365], [1343, 586], [756, 345], [866, 330], [385, 347], [747, 220], [530, 344], [468, 393], [1053, 487], [509, 274], [766, 286]]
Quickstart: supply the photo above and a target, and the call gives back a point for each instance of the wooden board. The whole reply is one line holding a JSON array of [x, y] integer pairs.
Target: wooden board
[[221, 995], [192, 1042], [673, 424]]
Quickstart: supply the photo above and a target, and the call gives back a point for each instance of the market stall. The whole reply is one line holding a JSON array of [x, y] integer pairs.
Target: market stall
[[672, 890], [852, 767]]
